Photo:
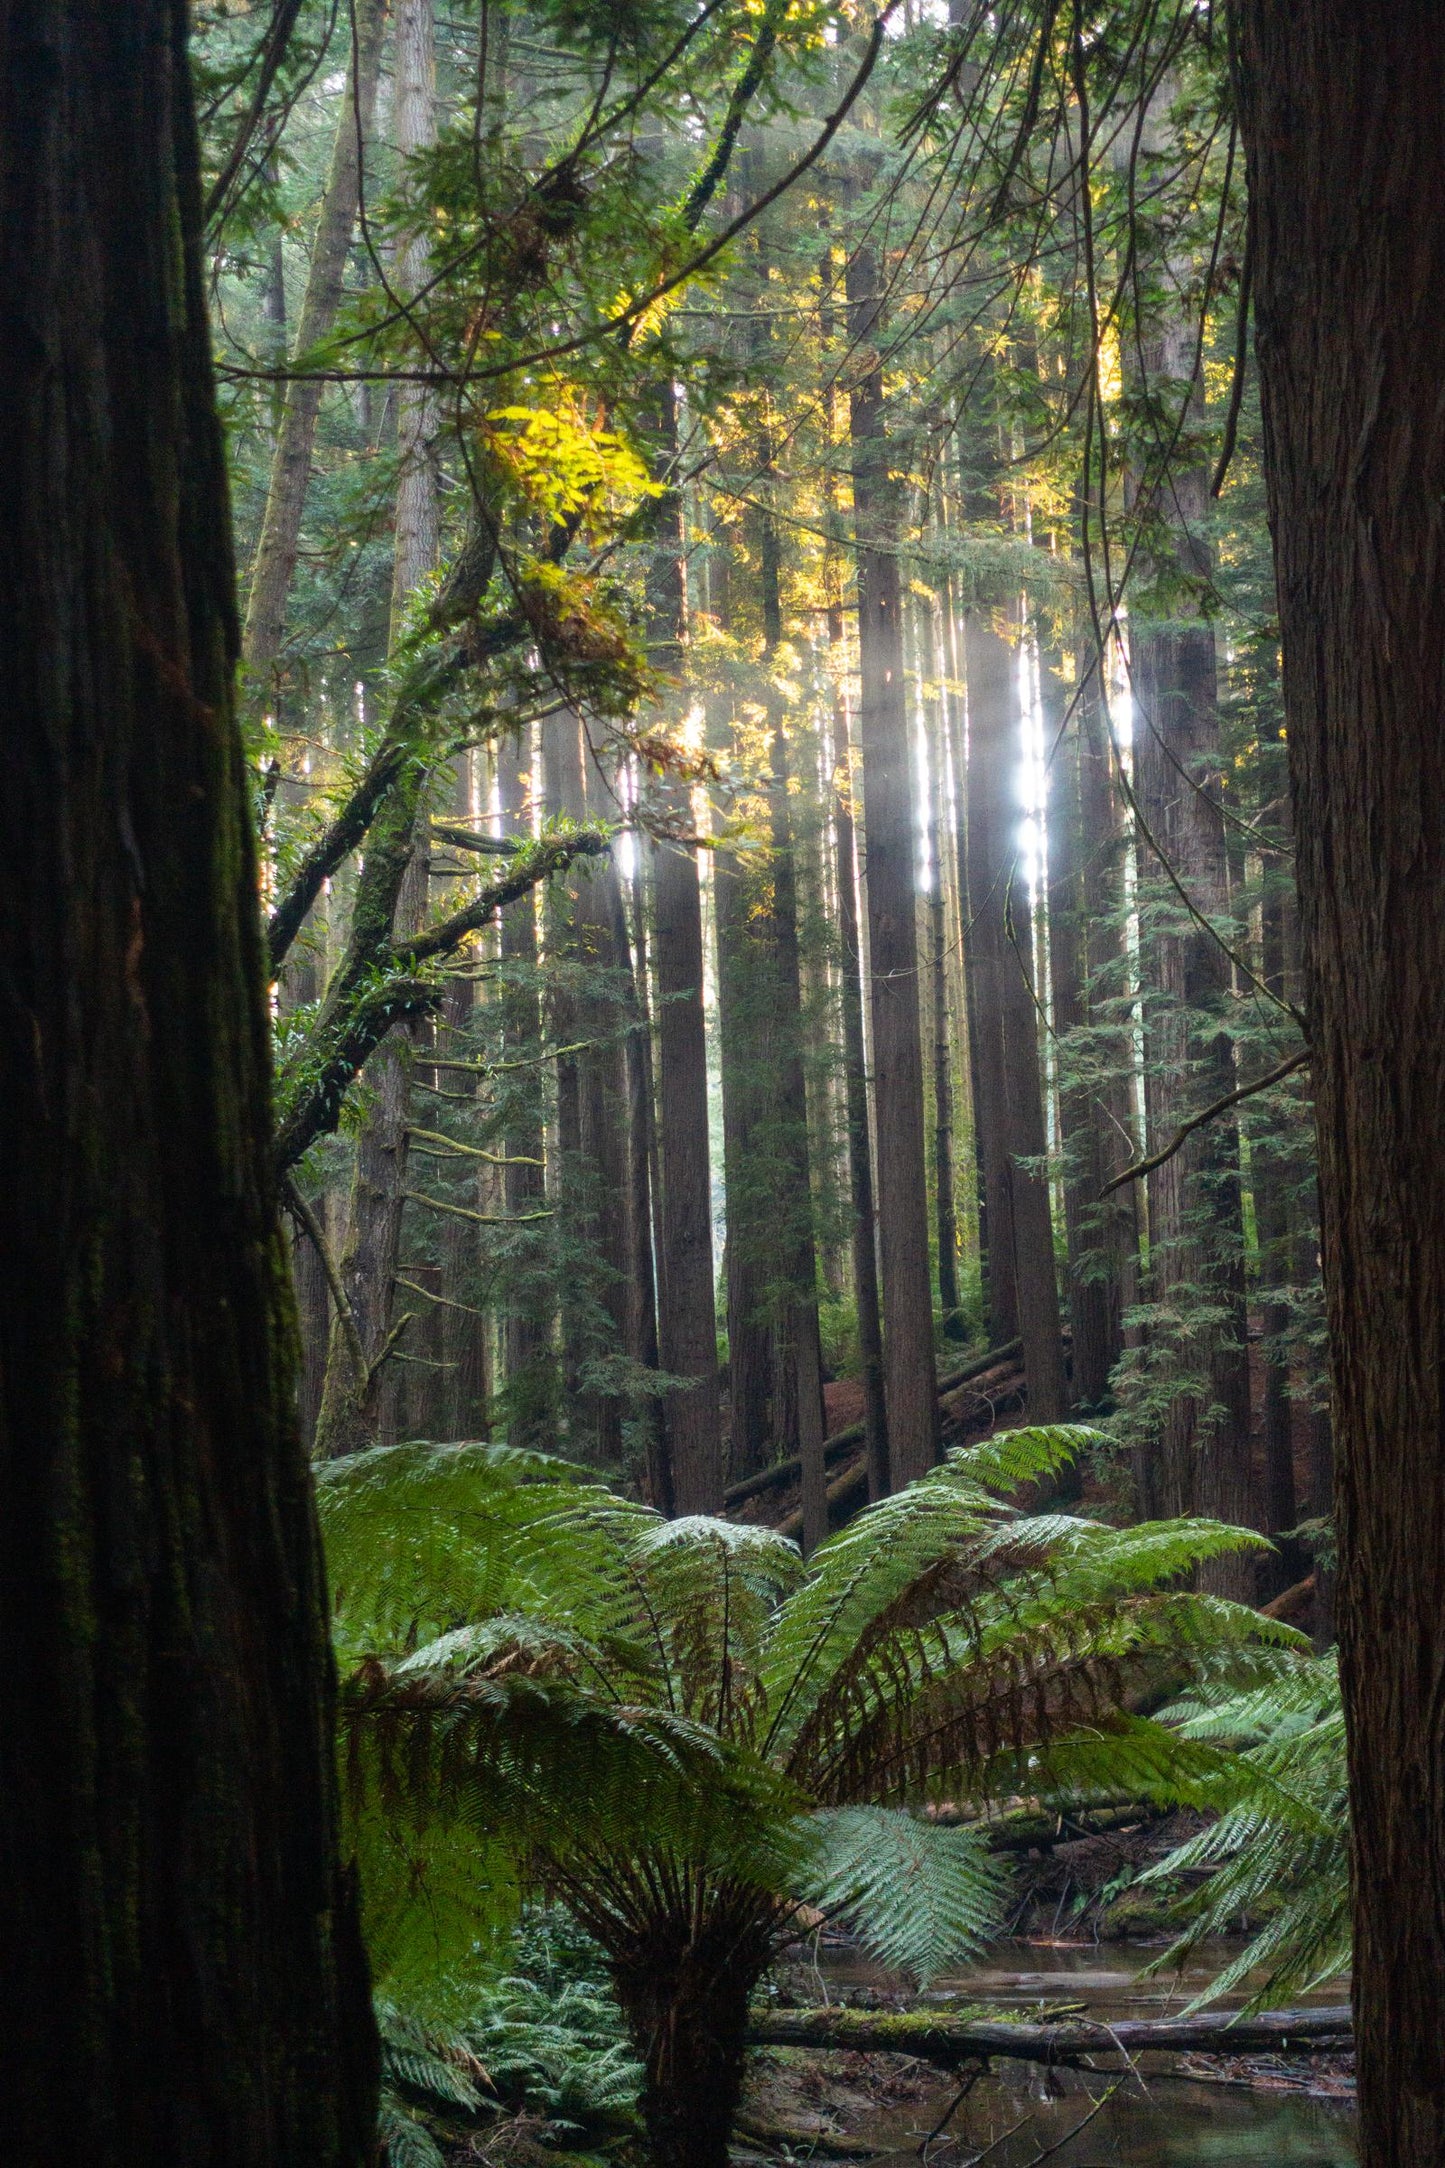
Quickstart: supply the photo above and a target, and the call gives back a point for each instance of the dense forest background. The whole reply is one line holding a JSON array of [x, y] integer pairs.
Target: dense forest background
[[730, 578], [774, 497]]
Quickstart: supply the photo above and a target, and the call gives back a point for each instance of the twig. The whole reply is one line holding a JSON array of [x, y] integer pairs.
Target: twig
[[951, 2111]]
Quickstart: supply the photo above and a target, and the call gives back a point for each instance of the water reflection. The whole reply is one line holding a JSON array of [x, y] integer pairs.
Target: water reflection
[[1019, 2115]]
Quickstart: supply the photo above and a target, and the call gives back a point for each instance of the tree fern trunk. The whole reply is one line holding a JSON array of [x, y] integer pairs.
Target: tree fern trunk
[[182, 1981]]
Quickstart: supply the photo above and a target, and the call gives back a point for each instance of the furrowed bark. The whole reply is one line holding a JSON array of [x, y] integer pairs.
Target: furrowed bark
[[1340, 112], [182, 1979]]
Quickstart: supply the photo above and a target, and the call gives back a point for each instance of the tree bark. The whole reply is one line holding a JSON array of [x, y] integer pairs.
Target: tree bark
[[890, 879], [414, 120], [860, 1162], [1085, 953], [274, 565], [1012, 1108], [182, 1979], [984, 653], [356, 1411], [687, 1325], [1340, 108], [945, 1207], [952, 2041], [527, 1290]]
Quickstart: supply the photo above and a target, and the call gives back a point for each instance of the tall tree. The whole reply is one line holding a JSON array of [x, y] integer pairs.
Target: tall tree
[[1196, 1228], [1087, 961], [274, 564], [890, 870], [529, 1379], [1011, 1110], [182, 1975], [687, 1322], [360, 1406], [1340, 109]]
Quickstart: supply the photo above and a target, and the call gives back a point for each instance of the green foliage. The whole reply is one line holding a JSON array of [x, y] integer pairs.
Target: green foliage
[[1280, 1845], [614, 1697], [922, 1896]]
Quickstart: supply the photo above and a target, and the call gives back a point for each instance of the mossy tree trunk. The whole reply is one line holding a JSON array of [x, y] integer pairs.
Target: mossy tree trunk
[[181, 1971]]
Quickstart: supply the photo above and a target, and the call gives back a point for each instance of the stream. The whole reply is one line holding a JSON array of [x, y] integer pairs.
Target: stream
[[1021, 2114]]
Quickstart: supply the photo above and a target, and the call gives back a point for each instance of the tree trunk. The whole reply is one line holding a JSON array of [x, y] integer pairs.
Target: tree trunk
[[684, 1991], [526, 1290], [1082, 917], [890, 855], [687, 1326], [1271, 1173], [987, 658], [1196, 1228], [1001, 931], [274, 565], [860, 1163], [945, 1209], [183, 1981], [414, 120], [355, 1411], [1341, 114]]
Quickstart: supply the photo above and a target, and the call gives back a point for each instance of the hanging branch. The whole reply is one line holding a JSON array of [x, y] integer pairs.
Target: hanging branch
[[1197, 1121]]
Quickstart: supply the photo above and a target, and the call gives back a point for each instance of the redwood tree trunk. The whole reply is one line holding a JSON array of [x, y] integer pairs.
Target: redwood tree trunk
[[527, 1292], [1002, 935], [1196, 1228], [1341, 108], [889, 876], [181, 1979], [687, 1322], [1086, 944]]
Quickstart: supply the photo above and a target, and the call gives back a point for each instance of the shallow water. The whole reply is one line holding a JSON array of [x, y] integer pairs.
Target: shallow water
[[1152, 2120]]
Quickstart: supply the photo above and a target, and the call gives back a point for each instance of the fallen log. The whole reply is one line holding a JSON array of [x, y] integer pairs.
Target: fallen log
[[950, 2041], [844, 1441]]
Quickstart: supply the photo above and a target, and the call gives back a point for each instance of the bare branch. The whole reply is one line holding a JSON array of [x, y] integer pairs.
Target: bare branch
[[1197, 1121]]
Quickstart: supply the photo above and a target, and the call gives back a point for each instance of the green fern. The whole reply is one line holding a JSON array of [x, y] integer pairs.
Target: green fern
[[688, 1736], [1282, 1832]]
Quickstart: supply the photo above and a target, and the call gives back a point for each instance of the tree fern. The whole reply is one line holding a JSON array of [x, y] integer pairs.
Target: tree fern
[[687, 1735]]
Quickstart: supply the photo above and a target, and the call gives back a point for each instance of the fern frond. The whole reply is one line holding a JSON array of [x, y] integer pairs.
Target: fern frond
[[1281, 1837], [408, 2143], [921, 1897]]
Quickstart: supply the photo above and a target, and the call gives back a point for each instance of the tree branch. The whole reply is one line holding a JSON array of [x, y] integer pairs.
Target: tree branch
[[1186, 1130], [552, 854], [306, 1219], [272, 53]]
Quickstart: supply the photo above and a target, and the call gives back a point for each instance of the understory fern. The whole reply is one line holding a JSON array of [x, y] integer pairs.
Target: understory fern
[[1281, 1840], [693, 1740]]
